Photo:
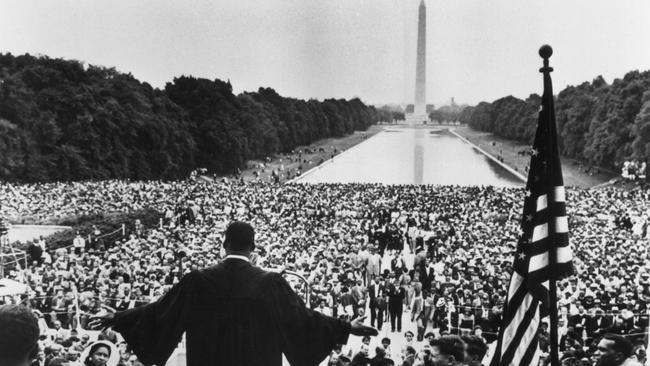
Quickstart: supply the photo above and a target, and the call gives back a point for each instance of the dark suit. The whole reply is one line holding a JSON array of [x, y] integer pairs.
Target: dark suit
[[377, 304], [232, 314], [591, 325], [396, 296]]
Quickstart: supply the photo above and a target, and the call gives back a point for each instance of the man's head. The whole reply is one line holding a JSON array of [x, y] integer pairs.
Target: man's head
[[408, 335], [429, 337], [240, 238], [410, 351], [613, 350], [447, 350], [475, 350], [478, 331], [18, 335]]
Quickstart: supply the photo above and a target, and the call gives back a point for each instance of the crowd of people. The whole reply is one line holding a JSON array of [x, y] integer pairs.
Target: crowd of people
[[429, 264], [634, 170]]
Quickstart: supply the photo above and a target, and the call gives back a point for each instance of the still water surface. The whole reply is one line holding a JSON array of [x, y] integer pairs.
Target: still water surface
[[413, 156]]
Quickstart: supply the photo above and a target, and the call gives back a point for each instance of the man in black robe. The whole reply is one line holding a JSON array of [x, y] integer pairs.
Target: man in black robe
[[233, 314]]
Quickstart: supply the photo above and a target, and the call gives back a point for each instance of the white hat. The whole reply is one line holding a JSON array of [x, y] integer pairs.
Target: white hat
[[112, 360]]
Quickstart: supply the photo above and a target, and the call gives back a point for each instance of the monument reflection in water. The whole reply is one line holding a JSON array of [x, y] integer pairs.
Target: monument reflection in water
[[413, 156]]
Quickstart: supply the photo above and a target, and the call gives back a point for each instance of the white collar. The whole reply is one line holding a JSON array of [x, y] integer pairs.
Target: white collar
[[235, 256]]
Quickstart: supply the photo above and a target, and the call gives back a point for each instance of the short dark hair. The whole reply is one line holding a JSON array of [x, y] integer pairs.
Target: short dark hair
[[450, 345], [380, 351], [240, 236], [18, 333], [621, 344], [475, 346]]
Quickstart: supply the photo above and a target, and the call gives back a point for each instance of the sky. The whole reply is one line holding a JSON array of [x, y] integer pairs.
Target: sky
[[477, 50]]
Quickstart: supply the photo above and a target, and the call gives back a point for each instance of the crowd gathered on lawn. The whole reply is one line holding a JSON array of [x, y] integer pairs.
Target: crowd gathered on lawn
[[428, 265]]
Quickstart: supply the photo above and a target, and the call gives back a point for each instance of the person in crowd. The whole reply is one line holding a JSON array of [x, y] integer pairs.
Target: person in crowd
[[377, 303], [18, 335], [409, 356], [380, 358], [336, 352], [448, 350], [614, 350], [408, 342], [475, 351], [358, 293], [396, 295], [373, 265], [417, 311], [385, 344], [98, 354]]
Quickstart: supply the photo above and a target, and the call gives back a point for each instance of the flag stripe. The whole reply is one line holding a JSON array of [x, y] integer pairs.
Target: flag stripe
[[515, 282], [529, 338], [560, 195], [521, 330], [538, 262], [513, 305], [540, 232], [532, 355], [561, 225], [513, 326], [542, 203], [564, 255]]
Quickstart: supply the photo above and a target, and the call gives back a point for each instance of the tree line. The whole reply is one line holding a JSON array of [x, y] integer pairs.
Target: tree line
[[598, 123], [61, 120]]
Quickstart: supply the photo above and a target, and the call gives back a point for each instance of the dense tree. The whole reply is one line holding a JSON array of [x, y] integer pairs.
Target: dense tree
[[63, 120], [598, 123], [390, 113], [641, 131]]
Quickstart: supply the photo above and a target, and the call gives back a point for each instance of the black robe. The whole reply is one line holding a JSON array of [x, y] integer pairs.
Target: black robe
[[232, 314]]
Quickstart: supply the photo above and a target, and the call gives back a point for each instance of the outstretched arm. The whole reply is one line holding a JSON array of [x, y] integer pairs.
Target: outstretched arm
[[154, 330], [306, 336]]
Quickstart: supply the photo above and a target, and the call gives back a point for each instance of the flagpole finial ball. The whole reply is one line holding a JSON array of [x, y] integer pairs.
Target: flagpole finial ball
[[545, 51]]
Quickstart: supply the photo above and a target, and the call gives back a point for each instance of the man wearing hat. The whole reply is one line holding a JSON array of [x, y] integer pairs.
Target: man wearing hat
[[232, 314]]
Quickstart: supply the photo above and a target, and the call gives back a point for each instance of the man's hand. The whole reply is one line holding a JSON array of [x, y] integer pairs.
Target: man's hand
[[101, 322], [357, 328]]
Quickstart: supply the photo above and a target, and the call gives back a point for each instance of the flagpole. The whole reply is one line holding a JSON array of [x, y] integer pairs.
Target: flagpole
[[545, 52]]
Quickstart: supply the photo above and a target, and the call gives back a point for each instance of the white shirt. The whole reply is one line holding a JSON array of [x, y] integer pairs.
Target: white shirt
[[241, 257]]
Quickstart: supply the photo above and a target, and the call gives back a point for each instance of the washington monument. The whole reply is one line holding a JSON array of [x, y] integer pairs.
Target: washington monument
[[420, 67]]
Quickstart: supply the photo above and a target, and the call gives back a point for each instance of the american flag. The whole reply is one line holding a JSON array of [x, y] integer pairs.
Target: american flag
[[543, 232]]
